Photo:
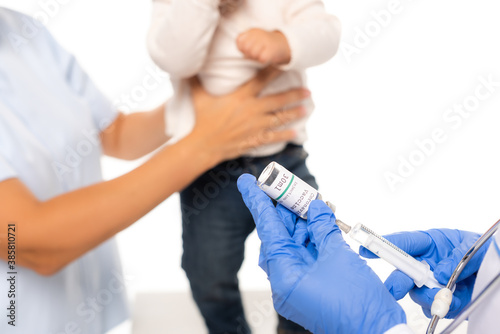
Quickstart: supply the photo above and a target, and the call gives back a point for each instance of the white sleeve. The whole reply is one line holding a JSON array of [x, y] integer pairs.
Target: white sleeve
[[400, 329], [484, 319], [312, 33], [181, 33]]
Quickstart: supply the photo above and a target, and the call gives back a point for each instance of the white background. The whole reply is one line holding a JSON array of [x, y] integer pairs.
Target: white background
[[371, 108]]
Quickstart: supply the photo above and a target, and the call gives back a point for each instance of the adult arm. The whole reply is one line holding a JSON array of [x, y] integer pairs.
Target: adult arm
[[55, 232], [181, 33], [134, 135]]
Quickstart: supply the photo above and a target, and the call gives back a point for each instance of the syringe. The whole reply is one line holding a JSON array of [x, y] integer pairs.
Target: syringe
[[296, 195]]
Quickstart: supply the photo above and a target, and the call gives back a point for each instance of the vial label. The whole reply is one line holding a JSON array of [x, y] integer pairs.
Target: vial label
[[292, 192]]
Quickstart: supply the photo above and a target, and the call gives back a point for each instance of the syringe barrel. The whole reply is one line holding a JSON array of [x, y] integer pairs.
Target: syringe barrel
[[419, 271], [287, 189]]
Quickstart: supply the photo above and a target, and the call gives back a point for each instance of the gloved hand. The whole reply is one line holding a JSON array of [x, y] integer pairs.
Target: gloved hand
[[442, 249], [321, 284], [297, 228]]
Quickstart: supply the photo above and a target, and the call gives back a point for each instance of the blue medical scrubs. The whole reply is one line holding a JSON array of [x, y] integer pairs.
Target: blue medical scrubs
[[50, 117]]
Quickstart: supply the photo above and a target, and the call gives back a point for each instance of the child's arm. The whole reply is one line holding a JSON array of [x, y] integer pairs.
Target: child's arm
[[266, 47], [310, 37], [180, 34]]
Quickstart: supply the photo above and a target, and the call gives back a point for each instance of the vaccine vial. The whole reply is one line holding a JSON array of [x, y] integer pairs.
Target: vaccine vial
[[287, 189]]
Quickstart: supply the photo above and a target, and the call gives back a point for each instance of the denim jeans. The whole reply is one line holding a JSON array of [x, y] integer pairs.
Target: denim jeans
[[216, 224]]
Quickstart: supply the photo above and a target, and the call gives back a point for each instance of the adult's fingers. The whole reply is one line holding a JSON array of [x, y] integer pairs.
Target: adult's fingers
[[280, 257], [298, 230], [196, 86], [270, 228], [414, 243], [276, 119], [366, 253], [268, 137], [282, 100], [268, 124], [259, 82], [301, 235], [399, 284], [321, 223], [445, 268], [263, 259], [424, 297], [288, 217]]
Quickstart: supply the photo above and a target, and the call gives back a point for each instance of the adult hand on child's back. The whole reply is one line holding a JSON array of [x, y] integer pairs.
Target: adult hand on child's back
[[240, 121], [266, 47]]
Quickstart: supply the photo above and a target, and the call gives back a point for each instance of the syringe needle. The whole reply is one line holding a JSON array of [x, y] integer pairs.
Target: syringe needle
[[343, 226], [418, 271]]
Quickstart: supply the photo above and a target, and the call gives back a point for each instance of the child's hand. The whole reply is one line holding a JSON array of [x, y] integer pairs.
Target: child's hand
[[266, 47]]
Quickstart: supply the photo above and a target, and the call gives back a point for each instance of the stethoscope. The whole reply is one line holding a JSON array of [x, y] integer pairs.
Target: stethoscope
[[442, 300]]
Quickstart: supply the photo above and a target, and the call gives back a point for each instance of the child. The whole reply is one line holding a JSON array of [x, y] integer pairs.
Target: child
[[224, 43]]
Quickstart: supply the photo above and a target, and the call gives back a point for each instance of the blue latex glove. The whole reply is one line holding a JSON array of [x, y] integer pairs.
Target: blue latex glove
[[297, 228], [442, 249], [316, 279]]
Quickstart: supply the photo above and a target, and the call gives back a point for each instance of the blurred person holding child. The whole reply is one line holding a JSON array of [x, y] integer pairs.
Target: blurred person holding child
[[224, 43]]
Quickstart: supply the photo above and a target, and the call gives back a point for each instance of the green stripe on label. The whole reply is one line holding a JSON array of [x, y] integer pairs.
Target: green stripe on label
[[284, 192]]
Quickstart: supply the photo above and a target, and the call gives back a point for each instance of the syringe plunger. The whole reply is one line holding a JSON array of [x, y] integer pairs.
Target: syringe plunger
[[296, 195]]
